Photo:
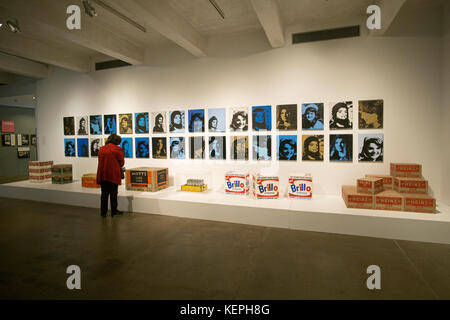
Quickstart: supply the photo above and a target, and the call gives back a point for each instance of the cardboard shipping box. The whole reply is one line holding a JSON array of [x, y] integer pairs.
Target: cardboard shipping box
[[388, 181], [389, 200], [89, 180], [369, 185], [419, 203], [148, 179], [406, 170], [353, 199], [411, 185]]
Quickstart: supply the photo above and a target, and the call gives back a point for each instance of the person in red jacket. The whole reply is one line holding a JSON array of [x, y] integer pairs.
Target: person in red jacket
[[109, 175]]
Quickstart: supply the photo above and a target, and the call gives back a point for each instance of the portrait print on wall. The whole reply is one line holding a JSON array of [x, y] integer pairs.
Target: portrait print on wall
[[6, 140], [141, 122], [142, 148], [110, 124], [341, 115], [312, 116], [96, 144], [370, 147], [262, 118], [287, 148], [95, 123], [371, 114], [82, 126], [197, 147], [196, 120], [238, 119], [177, 148], [239, 147], [176, 121], [262, 147], [217, 148], [83, 147], [126, 123], [216, 120], [287, 117], [313, 147], [159, 148], [341, 147], [159, 122], [69, 147], [25, 139], [69, 126], [127, 146]]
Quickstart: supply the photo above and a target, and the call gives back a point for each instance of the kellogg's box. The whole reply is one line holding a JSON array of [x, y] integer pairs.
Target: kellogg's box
[[411, 185], [419, 203], [237, 183], [369, 185], [266, 187], [300, 186], [354, 199]]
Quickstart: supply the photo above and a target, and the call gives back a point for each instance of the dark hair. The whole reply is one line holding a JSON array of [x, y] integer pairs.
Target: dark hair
[[367, 141], [211, 120], [193, 117], [255, 111], [337, 107], [173, 125], [234, 119], [82, 119], [306, 144], [158, 117], [114, 139], [138, 117], [289, 142]]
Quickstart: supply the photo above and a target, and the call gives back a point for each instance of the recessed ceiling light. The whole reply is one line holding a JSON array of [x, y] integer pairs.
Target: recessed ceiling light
[[13, 25], [89, 9]]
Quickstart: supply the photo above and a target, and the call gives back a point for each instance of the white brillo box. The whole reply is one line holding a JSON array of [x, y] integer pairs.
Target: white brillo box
[[237, 183], [266, 187], [300, 186]]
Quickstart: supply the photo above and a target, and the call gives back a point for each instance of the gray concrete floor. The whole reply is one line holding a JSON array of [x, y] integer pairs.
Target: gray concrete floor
[[141, 256]]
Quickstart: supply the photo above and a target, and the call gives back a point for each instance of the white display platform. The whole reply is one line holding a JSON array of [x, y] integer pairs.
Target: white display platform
[[323, 213]]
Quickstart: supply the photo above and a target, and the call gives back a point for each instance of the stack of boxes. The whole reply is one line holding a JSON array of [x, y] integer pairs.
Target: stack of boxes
[[237, 183], [403, 190], [40, 171], [61, 173], [89, 180], [147, 179]]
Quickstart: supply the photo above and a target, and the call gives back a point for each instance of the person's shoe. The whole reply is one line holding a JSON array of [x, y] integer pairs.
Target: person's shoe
[[117, 212], [103, 215]]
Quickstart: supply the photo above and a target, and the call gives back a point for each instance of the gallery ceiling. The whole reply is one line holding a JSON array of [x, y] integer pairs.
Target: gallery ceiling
[[125, 29]]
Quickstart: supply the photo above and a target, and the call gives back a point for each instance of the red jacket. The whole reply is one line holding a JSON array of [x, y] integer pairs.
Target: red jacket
[[110, 160]]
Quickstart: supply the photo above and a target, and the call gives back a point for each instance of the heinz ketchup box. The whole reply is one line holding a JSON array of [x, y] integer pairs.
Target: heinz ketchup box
[[353, 199], [237, 183], [266, 187], [388, 181], [389, 200], [419, 203], [369, 185], [411, 185], [300, 186], [406, 170]]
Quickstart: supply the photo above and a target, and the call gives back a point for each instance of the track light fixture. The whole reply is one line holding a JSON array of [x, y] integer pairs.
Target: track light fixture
[[13, 25], [89, 9]]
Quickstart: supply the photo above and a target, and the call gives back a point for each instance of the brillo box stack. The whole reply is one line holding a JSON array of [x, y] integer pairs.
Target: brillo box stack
[[40, 171]]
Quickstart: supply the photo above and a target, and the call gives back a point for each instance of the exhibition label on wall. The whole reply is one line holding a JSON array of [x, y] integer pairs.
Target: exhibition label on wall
[[7, 126]]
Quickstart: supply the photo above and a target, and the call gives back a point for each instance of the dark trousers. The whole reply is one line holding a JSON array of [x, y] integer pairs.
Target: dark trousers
[[109, 189]]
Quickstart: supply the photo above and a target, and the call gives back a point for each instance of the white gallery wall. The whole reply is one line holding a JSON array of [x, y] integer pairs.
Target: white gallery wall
[[403, 68]]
